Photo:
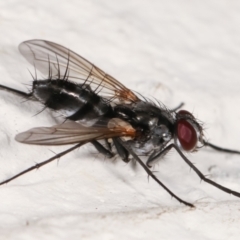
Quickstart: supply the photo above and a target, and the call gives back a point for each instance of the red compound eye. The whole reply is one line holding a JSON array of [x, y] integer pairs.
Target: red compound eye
[[186, 135]]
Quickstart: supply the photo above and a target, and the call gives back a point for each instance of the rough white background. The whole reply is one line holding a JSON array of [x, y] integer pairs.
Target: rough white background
[[177, 51]]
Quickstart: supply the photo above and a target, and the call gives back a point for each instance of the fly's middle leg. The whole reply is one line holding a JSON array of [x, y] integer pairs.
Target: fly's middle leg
[[107, 153], [121, 150]]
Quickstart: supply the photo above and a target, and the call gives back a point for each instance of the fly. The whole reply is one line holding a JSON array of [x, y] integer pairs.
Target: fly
[[96, 108]]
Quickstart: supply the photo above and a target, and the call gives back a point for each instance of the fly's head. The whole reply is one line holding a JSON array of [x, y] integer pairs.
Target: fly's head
[[188, 132]]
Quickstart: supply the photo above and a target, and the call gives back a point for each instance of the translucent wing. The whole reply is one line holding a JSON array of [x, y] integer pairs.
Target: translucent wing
[[73, 132], [57, 61]]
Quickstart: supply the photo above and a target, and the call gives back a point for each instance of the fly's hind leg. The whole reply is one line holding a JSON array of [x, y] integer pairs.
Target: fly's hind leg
[[17, 92], [38, 165]]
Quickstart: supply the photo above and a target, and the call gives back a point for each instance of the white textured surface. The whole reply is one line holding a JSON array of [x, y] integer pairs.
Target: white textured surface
[[178, 51]]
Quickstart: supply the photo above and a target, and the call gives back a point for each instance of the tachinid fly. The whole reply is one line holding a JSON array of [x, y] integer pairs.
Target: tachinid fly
[[97, 108]]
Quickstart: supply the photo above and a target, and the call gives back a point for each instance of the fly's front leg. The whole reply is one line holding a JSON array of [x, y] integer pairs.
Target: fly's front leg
[[198, 172], [150, 173], [156, 156]]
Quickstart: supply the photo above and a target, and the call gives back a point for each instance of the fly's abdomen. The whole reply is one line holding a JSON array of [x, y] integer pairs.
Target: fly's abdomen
[[74, 101]]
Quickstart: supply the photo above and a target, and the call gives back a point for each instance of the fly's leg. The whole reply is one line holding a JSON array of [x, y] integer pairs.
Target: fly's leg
[[154, 157], [102, 149], [202, 177], [150, 173], [121, 149], [220, 148], [157, 156], [108, 145], [17, 92], [38, 165]]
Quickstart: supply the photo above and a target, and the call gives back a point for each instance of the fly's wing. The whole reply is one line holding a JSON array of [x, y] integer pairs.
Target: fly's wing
[[73, 132], [54, 60]]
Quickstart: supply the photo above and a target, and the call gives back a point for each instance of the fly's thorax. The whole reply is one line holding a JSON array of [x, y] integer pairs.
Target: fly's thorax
[[155, 138], [154, 125], [143, 114], [160, 135]]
